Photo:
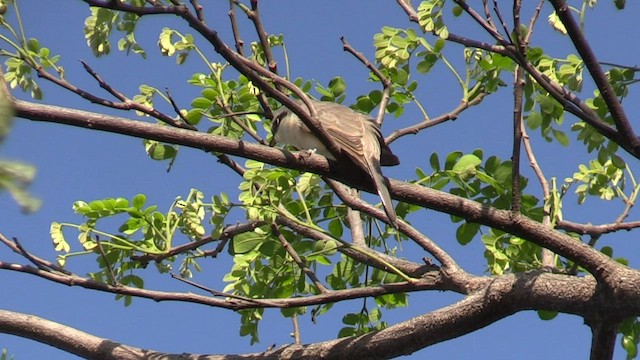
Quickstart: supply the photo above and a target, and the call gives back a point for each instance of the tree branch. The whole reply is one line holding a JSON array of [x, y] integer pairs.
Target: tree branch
[[595, 262], [500, 298], [603, 341]]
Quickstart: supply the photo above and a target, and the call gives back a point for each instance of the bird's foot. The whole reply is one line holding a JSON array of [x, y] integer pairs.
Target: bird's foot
[[307, 153]]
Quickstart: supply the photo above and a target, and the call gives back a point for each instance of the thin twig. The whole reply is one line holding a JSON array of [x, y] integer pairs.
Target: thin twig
[[386, 83], [112, 275], [503, 23], [482, 22], [546, 255], [355, 223], [596, 230], [214, 253], [296, 258], [239, 122], [175, 106], [103, 84], [427, 123], [198, 9], [220, 293], [127, 105], [227, 233], [296, 330], [532, 22], [239, 43], [39, 262], [254, 15]]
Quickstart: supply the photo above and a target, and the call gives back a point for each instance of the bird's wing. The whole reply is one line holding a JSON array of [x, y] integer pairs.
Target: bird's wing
[[345, 126]]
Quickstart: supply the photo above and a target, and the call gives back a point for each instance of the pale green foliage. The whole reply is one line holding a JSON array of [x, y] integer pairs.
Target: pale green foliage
[[488, 183], [257, 51], [5, 355], [556, 24], [100, 24], [15, 177], [144, 230], [170, 47], [606, 180], [27, 55], [430, 17]]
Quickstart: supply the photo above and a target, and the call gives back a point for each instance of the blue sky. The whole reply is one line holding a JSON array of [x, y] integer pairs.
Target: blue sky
[[76, 164]]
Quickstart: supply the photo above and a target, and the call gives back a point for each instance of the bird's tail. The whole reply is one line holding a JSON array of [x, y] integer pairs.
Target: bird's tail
[[383, 191]]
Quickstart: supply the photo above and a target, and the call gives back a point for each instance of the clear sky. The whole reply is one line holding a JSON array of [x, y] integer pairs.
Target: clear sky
[[76, 164]]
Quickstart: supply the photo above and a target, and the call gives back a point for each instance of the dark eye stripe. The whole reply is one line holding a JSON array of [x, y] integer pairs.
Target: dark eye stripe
[[275, 123]]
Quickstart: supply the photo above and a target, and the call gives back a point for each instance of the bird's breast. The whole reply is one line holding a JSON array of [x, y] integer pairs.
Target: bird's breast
[[293, 132]]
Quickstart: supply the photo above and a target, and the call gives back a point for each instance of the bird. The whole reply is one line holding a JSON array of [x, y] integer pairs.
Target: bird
[[356, 134]]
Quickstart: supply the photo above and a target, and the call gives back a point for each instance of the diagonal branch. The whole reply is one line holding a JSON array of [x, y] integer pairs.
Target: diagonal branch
[[427, 123], [261, 77], [625, 130], [424, 242], [301, 264], [125, 103], [569, 101]]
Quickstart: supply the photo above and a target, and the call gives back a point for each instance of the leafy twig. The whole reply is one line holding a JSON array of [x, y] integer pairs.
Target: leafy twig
[[628, 138]]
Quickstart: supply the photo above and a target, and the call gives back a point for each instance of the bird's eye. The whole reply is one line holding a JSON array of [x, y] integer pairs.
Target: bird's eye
[[275, 123]]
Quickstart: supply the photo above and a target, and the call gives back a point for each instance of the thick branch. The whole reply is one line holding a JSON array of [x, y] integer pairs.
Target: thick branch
[[595, 262], [500, 298]]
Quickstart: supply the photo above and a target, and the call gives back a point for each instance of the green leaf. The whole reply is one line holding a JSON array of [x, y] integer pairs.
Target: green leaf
[[466, 162], [58, 237], [245, 242], [139, 200], [561, 137], [201, 103], [618, 162], [335, 228], [547, 315], [556, 24], [337, 86], [451, 159], [159, 151], [434, 161], [132, 280], [466, 232]]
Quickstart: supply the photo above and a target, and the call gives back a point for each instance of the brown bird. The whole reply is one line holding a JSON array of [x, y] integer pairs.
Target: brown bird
[[355, 133]]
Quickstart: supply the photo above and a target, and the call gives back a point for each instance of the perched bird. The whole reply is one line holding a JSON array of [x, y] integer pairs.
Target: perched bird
[[356, 134]]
